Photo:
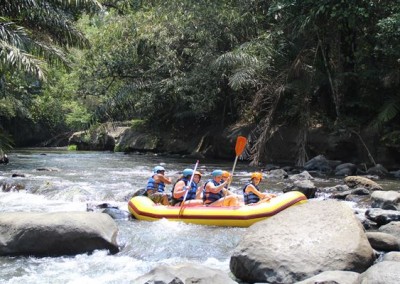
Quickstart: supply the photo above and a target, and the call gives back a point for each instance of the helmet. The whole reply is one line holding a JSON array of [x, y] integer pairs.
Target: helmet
[[216, 173], [198, 173], [187, 172], [226, 174], [257, 175], [158, 169]]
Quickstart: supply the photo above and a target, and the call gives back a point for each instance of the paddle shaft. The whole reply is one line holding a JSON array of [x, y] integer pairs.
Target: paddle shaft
[[190, 183], [233, 169]]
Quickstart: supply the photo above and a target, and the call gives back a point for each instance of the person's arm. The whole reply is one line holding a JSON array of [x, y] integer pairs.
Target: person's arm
[[179, 189], [199, 191], [251, 188], [215, 189], [160, 178]]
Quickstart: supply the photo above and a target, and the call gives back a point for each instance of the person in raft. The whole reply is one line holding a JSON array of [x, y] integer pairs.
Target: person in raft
[[252, 192], [193, 196], [213, 193], [225, 175], [156, 184]]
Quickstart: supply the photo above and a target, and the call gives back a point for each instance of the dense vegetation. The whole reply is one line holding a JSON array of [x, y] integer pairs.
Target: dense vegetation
[[185, 63]]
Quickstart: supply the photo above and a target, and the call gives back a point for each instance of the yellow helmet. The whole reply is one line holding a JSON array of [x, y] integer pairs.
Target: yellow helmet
[[256, 175], [198, 173], [225, 174]]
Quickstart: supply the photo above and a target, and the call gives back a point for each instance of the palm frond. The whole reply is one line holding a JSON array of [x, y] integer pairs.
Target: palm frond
[[14, 57]]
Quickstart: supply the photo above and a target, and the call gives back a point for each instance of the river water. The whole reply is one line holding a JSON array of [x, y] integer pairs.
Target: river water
[[79, 179]]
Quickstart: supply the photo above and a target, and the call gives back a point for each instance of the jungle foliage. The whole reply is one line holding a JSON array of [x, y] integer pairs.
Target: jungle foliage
[[184, 65]]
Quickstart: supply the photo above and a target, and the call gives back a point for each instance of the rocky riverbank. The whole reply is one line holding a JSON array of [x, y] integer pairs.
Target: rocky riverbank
[[357, 152]]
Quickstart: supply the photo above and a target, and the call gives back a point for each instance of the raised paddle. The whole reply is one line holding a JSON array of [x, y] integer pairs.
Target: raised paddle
[[239, 148], [187, 189]]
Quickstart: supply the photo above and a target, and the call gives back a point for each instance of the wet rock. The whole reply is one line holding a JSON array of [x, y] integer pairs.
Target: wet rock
[[11, 186], [56, 234], [389, 200], [306, 187], [116, 213], [385, 272], [48, 170], [17, 175], [359, 199], [395, 174], [356, 181], [270, 167], [332, 277], [277, 174], [383, 241], [378, 170], [318, 163], [185, 273], [302, 176], [300, 242], [381, 216], [346, 169]]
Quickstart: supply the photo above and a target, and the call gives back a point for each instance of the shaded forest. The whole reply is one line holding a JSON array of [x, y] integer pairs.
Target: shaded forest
[[183, 65]]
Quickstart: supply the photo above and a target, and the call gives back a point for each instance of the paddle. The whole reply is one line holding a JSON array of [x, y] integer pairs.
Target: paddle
[[239, 148], [190, 183]]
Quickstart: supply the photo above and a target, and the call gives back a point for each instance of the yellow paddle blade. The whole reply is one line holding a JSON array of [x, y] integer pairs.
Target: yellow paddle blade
[[240, 145]]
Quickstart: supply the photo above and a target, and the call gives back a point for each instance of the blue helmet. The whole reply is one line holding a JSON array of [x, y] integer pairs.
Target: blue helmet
[[187, 172], [217, 173], [158, 169]]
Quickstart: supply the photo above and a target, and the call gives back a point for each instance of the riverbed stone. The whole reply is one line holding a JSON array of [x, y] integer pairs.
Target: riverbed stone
[[392, 228], [56, 233], [383, 241], [381, 216], [303, 241], [185, 273], [389, 200], [357, 181], [392, 256], [318, 163], [342, 277], [385, 272]]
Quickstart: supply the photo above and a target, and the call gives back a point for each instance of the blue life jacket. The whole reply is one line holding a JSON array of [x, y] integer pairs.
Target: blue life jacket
[[210, 197], [191, 194], [152, 185], [250, 197]]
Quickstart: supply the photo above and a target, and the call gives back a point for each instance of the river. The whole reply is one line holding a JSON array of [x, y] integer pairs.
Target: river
[[79, 179]]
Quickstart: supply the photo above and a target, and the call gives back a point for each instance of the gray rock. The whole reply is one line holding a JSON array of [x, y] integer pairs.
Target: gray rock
[[392, 228], [392, 256], [378, 170], [346, 169], [318, 163], [304, 175], [185, 273], [56, 234], [381, 216], [385, 272], [339, 277], [383, 241], [277, 174], [302, 241], [396, 174], [389, 200]]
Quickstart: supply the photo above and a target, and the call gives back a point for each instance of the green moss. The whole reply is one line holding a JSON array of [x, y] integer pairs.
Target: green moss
[[137, 124], [72, 147]]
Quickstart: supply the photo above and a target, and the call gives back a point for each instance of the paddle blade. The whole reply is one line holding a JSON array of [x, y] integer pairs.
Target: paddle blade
[[240, 145]]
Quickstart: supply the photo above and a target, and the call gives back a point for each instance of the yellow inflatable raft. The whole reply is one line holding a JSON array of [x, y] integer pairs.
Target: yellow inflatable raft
[[241, 216]]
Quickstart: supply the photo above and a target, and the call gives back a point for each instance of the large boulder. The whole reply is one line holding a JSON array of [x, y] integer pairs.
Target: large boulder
[[55, 234], [303, 241], [185, 273], [385, 272]]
